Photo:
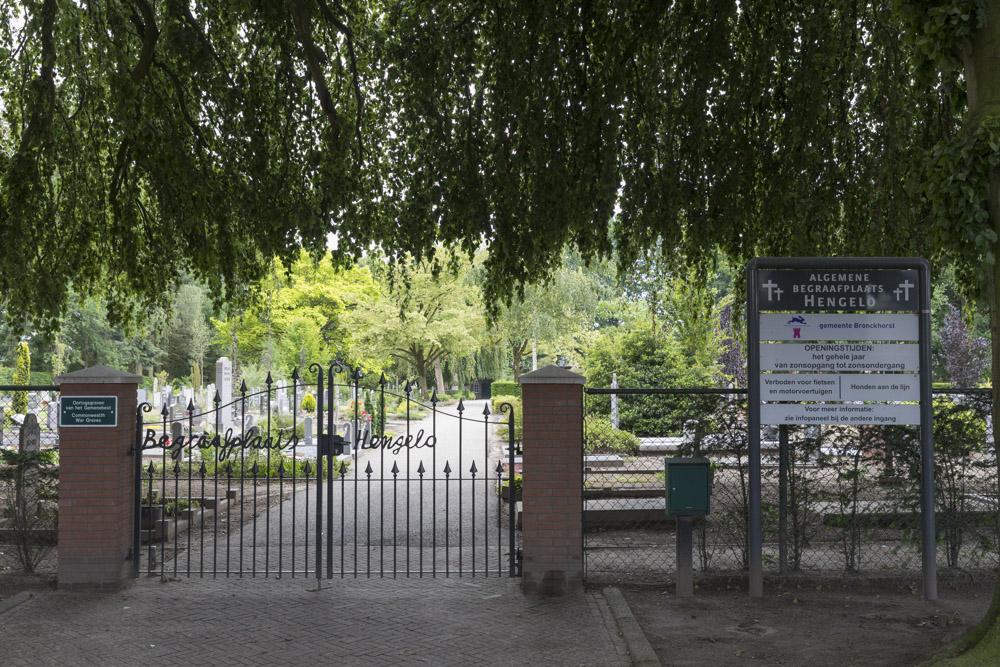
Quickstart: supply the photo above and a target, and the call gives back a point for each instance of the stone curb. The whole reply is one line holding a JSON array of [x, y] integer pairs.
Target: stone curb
[[17, 599], [638, 646]]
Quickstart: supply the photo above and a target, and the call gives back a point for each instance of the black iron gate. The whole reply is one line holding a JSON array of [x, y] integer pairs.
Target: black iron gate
[[334, 477]]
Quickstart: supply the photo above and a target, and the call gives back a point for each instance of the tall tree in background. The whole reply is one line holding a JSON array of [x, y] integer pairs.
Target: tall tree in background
[[22, 375]]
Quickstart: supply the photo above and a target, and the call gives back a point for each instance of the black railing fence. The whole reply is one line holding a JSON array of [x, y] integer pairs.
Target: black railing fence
[[835, 499]]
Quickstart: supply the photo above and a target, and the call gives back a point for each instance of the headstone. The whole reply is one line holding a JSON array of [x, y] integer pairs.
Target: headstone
[[349, 438], [30, 438], [614, 401], [309, 432], [156, 385], [224, 385], [140, 396], [253, 432], [249, 421]]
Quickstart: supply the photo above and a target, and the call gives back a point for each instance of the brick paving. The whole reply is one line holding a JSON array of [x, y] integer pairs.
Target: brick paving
[[291, 622]]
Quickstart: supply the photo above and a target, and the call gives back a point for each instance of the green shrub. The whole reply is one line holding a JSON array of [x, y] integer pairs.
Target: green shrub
[[518, 418], [505, 388], [601, 437], [22, 375], [309, 403]]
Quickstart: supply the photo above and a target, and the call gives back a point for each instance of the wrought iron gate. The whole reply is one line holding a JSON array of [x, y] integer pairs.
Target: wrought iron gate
[[383, 486]]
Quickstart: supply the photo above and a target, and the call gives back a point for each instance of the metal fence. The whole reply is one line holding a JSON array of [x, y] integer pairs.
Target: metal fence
[[28, 480], [835, 499]]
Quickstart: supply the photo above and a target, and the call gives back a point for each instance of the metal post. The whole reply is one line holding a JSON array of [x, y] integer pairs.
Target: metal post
[[319, 469], [755, 536], [685, 575], [783, 499], [136, 522], [928, 533]]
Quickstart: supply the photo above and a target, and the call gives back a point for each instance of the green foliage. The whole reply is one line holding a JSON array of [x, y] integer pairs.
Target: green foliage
[[644, 357], [600, 437], [503, 430], [22, 375], [309, 403], [504, 388]]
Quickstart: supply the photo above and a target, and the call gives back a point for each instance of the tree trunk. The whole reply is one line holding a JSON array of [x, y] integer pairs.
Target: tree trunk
[[982, 71], [439, 376]]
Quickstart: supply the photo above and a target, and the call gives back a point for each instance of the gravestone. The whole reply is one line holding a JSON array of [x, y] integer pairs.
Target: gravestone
[[309, 431], [176, 431], [252, 432], [140, 396], [249, 422], [29, 440]]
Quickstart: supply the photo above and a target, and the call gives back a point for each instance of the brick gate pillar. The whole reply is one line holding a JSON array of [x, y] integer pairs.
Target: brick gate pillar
[[96, 477], [552, 490]]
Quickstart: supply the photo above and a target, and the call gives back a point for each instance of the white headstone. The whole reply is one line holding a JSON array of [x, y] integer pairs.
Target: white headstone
[[53, 419], [140, 396], [30, 437], [224, 385]]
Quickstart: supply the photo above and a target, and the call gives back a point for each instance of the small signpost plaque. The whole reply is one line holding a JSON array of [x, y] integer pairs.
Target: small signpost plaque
[[88, 411]]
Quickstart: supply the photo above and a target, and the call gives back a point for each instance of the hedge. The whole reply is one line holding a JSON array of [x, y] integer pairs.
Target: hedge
[[505, 388]]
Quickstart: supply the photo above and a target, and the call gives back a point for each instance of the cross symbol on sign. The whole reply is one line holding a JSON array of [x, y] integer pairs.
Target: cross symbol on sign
[[903, 288], [772, 290]]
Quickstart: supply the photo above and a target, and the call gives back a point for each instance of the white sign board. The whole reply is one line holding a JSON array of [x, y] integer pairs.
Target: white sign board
[[839, 326], [878, 414], [840, 357], [839, 387]]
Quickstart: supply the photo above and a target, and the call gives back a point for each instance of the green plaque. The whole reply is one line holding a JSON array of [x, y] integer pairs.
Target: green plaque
[[88, 411]]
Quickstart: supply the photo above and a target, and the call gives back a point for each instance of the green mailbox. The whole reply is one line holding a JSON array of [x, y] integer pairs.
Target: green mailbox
[[689, 486]]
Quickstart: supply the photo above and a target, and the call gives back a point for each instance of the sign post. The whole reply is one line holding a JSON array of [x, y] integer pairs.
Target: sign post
[[840, 341]]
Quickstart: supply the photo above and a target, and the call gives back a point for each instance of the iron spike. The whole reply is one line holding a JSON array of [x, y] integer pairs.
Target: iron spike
[[343, 468], [229, 468], [461, 406], [308, 468], [281, 469], [217, 399], [202, 470], [295, 374], [381, 381], [473, 469], [268, 379], [164, 411], [190, 407], [434, 396], [447, 468], [486, 410], [368, 469], [499, 469], [151, 469], [243, 387], [177, 469], [420, 469], [256, 469], [407, 387], [395, 469]]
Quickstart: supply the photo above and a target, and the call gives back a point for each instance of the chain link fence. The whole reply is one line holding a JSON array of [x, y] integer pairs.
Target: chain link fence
[[835, 499], [29, 502]]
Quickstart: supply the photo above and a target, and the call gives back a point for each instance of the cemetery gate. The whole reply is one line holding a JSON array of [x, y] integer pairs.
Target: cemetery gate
[[328, 477]]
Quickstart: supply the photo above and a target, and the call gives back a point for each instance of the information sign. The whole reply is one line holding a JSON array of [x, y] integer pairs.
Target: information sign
[[880, 414], [839, 326], [101, 411], [837, 290], [838, 386], [891, 357]]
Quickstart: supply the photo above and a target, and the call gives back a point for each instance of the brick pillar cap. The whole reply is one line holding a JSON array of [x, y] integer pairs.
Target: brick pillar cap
[[98, 375], [552, 375]]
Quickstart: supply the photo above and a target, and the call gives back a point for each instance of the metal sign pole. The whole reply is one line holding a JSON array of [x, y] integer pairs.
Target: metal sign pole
[[755, 533], [928, 533]]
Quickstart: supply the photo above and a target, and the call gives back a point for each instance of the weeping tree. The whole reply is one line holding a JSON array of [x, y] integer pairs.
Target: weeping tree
[[140, 140]]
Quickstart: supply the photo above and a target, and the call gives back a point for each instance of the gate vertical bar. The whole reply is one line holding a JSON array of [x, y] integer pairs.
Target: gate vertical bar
[[267, 473], [486, 491], [434, 402], [190, 462], [215, 491], [381, 486], [319, 469], [331, 431], [243, 450], [295, 447], [510, 485], [408, 389], [355, 446]]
